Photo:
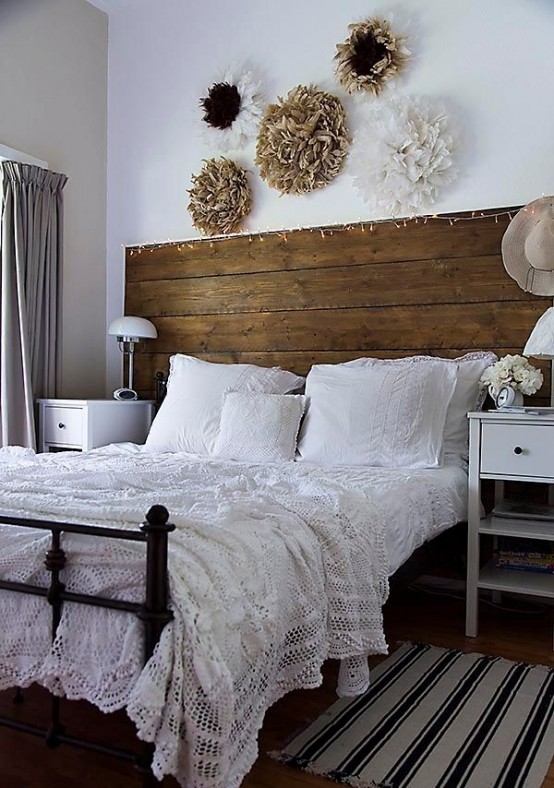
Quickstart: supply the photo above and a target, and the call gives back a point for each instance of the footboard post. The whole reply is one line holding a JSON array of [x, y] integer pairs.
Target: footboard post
[[155, 612], [55, 561]]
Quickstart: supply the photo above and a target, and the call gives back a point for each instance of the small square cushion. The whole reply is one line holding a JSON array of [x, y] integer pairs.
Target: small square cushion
[[188, 419], [259, 427]]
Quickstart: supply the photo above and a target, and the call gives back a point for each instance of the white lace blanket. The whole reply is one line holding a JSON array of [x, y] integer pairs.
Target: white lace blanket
[[271, 572]]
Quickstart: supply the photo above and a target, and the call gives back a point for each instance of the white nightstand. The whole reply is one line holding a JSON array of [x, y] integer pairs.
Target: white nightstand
[[506, 446], [82, 424]]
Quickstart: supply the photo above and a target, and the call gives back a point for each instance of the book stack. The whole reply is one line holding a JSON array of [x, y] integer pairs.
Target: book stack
[[526, 555]]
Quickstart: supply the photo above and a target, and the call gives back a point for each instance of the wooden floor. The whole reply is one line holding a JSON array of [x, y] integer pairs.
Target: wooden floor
[[409, 615]]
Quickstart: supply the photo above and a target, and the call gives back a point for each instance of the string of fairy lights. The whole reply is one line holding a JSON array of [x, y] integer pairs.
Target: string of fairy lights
[[326, 230]]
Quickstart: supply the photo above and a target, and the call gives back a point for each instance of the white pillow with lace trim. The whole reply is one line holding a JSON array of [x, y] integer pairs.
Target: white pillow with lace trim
[[382, 415], [466, 395], [259, 427], [188, 419]]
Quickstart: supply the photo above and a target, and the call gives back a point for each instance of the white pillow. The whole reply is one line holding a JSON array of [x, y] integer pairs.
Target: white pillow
[[188, 419], [466, 393], [259, 427], [380, 415]]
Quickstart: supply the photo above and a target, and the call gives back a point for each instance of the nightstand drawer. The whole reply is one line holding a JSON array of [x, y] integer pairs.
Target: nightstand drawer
[[517, 450], [63, 425]]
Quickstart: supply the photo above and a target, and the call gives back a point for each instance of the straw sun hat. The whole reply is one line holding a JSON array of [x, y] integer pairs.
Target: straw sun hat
[[528, 247]]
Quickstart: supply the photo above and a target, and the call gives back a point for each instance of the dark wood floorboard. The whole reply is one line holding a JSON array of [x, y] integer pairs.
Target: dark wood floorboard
[[409, 615]]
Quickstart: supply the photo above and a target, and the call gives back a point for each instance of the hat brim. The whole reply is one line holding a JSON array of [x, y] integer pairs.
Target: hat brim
[[532, 280]]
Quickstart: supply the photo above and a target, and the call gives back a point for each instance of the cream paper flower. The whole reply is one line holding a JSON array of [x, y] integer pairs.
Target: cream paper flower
[[403, 155], [232, 110]]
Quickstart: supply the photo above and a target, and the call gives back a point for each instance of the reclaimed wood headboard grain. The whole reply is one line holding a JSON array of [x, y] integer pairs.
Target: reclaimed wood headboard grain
[[309, 296]]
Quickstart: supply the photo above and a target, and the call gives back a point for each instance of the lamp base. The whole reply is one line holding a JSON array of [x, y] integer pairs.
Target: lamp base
[[125, 394]]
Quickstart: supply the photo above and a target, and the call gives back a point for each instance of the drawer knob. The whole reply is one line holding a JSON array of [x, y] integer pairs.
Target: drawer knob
[[518, 450], [61, 425]]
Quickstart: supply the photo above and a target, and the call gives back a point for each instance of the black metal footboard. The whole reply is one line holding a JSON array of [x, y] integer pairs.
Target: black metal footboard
[[154, 612]]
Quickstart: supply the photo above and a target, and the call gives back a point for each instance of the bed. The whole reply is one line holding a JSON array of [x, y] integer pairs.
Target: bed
[[283, 544], [332, 533]]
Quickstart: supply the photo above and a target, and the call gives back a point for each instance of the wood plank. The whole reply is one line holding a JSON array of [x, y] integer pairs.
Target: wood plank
[[294, 301], [440, 281], [307, 248], [413, 327]]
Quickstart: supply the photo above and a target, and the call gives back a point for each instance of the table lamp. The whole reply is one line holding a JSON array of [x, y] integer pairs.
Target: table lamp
[[129, 330], [541, 340], [541, 345]]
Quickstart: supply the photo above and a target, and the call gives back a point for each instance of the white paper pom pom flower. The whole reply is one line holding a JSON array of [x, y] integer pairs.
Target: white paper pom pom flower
[[232, 111], [403, 155]]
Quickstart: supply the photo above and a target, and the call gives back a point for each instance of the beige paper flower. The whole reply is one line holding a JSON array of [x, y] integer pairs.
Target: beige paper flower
[[220, 197]]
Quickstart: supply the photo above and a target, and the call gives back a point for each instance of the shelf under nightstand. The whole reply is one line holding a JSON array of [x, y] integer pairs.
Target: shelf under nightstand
[[515, 581], [524, 528]]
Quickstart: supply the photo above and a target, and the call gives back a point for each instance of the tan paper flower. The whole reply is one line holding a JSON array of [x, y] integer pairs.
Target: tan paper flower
[[220, 197], [303, 141], [370, 57]]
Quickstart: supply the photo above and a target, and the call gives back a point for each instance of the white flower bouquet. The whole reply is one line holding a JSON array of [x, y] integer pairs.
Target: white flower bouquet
[[513, 371]]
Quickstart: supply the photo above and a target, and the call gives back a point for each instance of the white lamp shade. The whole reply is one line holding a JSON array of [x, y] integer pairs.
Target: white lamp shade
[[541, 341], [135, 327]]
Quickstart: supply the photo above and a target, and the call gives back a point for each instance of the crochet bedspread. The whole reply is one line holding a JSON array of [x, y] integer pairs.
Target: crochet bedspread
[[271, 571]]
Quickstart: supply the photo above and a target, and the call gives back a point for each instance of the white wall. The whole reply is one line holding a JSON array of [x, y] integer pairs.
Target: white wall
[[53, 105], [491, 62]]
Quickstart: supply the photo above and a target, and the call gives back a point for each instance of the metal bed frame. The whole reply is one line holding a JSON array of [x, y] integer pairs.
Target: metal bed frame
[[153, 612]]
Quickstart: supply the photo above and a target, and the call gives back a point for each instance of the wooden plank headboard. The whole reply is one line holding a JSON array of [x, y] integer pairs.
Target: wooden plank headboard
[[297, 298]]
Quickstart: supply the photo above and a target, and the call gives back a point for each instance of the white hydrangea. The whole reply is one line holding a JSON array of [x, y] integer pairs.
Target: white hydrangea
[[514, 371]]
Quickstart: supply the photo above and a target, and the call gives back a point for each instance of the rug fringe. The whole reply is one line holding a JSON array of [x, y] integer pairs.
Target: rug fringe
[[310, 767]]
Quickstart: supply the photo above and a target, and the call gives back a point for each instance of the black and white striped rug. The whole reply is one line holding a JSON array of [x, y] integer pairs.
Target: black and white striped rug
[[436, 718]]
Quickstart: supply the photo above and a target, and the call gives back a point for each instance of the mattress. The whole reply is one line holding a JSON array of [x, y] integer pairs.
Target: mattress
[[418, 504]]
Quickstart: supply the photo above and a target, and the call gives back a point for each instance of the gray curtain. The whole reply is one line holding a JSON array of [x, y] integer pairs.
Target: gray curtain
[[30, 289]]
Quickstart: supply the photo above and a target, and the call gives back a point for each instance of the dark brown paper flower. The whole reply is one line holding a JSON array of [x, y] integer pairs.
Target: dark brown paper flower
[[221, 105], [370, 57]]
